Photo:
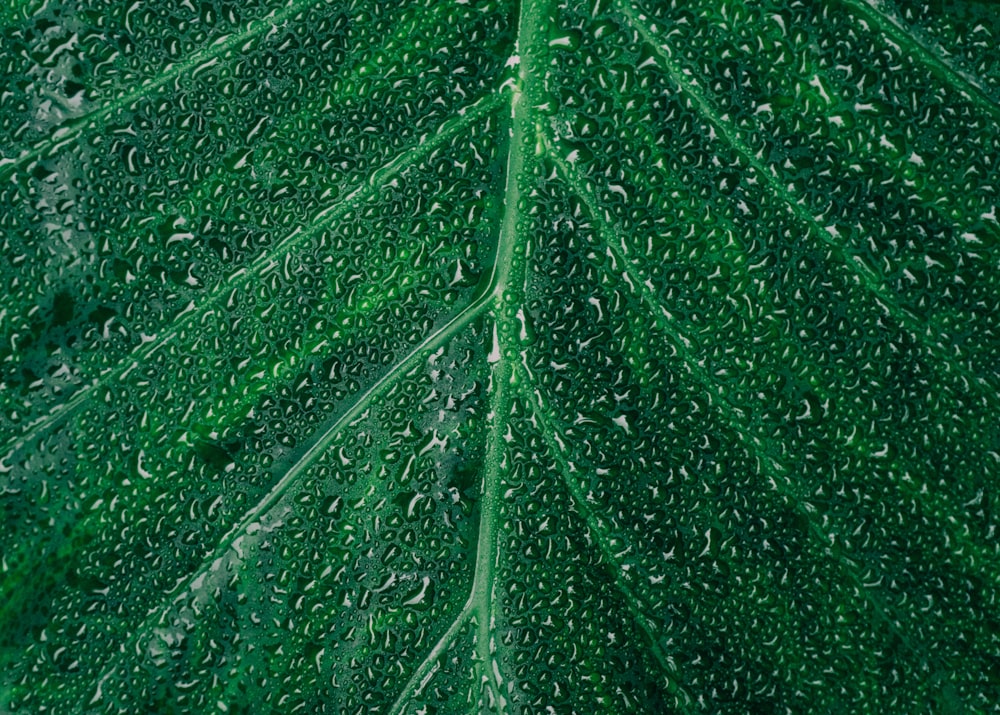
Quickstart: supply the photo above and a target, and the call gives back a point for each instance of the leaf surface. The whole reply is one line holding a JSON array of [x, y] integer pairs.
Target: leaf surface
[[453, 356]]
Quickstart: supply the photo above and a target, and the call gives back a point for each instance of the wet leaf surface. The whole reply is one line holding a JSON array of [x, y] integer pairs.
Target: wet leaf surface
[[449, 356]]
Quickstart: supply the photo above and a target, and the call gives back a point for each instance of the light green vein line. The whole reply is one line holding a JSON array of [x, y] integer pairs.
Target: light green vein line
[[319, 446], [923, 53], [921, 328], [442, 335], [481, 593], [487, 554], [480, 602], [480, 597], [200, 59], [487, 550], [681, 343], [766, 455], [429, 666], [243, 277], [633, 602]]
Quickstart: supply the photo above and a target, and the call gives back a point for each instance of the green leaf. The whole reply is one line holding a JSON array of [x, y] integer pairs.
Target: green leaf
[[447, 356]]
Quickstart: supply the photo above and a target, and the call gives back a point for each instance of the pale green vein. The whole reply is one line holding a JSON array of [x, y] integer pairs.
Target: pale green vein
[[483, 586], [524, 97], [484, 580], [245, 276], [862, 448], [925, 54], [429, 666], [322, 442], [770, 464], [285, 125], [318, 447], [202, 59], [481, 596], [632, 601], [920, 327]]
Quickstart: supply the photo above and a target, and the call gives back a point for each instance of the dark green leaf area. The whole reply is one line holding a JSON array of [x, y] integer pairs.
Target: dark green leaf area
[[444, 357], [967, 30], [190, 454], [148, 220], [359, 559]]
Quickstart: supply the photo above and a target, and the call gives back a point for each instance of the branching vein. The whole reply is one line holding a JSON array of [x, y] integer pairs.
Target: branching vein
[[245, 276], [637, 609], [920, 328], [323, 441], [480, 601], [923, 53], [768, 456], [66, 133]]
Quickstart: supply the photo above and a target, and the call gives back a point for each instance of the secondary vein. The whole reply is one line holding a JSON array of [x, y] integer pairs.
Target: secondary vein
[[637, 609], [919, 327], [321, 443], [243, 277], [70, 131], [921, 52], [768, 457]]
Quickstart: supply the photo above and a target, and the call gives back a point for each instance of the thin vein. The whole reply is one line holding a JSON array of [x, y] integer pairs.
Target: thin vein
[[637, 609], [318, 447], [611, 237], [483, 586], [480, 590], [244, 276], [894, 27], [485, 297], [69, 131], [429, 665], [917, 326]]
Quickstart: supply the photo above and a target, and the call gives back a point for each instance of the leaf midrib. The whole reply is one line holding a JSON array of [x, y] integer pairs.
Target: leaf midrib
[[480, 602]]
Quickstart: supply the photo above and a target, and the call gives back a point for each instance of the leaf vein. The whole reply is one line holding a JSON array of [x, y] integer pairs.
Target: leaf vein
[[919, 327], [636, 607], [428, 666], [243, 277], [460, 320], [766, 455], [481, 590], [68, 132], [895, 28], [318, 447]]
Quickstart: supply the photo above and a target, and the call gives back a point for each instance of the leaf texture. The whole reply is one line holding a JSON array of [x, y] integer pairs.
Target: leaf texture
[[458, 356]]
